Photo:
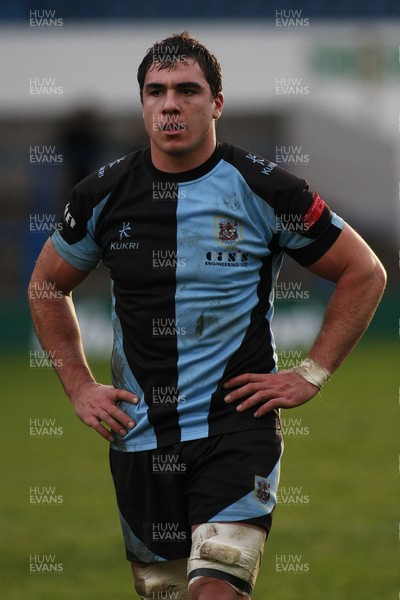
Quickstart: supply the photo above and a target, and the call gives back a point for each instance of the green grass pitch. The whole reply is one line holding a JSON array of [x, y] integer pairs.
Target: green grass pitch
[[336, 530]]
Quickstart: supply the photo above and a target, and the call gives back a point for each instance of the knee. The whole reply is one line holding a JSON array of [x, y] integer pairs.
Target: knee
[[206, 588], [229, 553], [161, 580]]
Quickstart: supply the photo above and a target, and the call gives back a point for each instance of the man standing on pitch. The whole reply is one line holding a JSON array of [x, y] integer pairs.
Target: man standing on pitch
[[193, 233]]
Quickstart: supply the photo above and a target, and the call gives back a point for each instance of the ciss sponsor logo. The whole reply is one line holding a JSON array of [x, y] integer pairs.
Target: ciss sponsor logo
[[220, 258]]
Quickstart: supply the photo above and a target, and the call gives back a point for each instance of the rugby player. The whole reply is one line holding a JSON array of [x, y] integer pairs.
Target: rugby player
[[194, 233]]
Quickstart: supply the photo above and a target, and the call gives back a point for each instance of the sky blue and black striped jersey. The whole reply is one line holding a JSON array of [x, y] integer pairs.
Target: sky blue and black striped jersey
[[193, 259]]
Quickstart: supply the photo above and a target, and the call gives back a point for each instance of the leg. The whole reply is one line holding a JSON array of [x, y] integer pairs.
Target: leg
[[224, 560], [207, 587], [157, 581]]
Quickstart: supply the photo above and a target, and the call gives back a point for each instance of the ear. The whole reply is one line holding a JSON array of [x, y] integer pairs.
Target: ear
[[218, 105]]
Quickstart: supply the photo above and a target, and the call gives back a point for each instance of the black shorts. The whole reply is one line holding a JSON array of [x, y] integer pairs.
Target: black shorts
[[162, 492]]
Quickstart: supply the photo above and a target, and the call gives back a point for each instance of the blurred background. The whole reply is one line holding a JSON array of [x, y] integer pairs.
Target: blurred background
[[313, 86]]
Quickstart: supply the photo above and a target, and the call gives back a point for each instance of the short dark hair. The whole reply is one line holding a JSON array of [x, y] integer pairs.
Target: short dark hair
[[176, 48]]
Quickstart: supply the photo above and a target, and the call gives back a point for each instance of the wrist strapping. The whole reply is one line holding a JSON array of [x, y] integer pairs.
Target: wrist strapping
[[312, 372]]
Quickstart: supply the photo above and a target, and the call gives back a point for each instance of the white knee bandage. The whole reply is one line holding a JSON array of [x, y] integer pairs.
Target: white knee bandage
[[227, 551], [162, 580]]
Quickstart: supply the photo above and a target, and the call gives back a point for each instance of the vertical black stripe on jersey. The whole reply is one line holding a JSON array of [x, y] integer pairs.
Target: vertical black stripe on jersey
[[254, 355], [145, 299], [163, 376]]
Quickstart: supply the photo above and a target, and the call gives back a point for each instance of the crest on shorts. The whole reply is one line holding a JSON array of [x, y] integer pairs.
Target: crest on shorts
[[228, 232], [262, 490]]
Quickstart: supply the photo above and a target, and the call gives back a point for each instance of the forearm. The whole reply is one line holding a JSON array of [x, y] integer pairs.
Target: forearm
[[348, 314], [58, 331], [57, 328]]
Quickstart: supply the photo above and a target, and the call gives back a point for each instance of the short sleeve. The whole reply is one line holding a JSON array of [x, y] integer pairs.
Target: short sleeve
[[74, 240], [306, 227]]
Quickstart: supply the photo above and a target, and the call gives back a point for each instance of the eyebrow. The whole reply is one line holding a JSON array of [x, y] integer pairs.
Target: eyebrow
[[181, 85]]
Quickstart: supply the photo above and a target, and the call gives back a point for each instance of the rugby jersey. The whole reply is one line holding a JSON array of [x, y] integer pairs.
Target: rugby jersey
[[193, 260]]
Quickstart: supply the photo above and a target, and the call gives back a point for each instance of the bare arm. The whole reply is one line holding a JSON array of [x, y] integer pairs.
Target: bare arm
[[57, 328], [360, 281]]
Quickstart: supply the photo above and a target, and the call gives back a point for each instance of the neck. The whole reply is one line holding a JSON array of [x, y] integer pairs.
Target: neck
[[179, 162]]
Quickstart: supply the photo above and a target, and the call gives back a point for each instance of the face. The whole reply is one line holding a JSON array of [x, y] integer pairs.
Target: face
[[179, 114]]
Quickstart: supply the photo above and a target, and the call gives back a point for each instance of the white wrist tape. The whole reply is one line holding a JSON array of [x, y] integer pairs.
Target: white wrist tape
[[313, 372]]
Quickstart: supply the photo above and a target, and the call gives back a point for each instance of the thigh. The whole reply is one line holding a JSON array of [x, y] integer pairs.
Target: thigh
[[234, 477], [150, 488]]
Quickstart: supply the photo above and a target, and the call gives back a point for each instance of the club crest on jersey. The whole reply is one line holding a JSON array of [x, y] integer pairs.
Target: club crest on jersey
[[228, 232], [262, 490]]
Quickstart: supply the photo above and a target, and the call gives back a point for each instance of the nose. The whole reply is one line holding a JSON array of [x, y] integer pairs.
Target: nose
[[170, 103]]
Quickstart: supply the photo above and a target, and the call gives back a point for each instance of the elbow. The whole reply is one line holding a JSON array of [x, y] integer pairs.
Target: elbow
[[377, 277], [380, 275]]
